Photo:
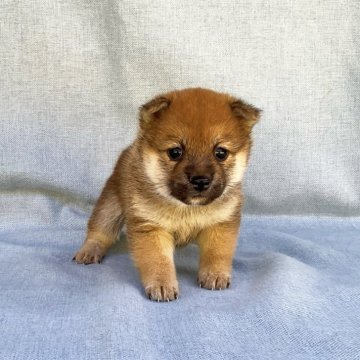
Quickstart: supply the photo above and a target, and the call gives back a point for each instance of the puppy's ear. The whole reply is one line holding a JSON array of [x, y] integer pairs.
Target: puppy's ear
[[245, 112], [153, 109]]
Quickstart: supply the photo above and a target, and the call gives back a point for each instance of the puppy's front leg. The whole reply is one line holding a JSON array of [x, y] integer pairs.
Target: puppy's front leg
[[152, 249], [217, 245]]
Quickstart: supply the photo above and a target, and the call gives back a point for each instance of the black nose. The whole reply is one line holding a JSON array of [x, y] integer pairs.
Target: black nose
[[200, 183]]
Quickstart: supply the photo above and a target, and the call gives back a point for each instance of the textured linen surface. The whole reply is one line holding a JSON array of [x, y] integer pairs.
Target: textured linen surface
[[295, 295], [72, 76]]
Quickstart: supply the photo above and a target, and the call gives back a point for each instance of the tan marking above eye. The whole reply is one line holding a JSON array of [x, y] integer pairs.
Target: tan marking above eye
[[165, 146]]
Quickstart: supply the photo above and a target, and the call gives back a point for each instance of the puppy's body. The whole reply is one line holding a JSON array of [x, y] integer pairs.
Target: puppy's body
[[173, 186]]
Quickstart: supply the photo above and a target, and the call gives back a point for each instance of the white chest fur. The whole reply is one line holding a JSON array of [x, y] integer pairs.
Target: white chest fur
[[184, 221]]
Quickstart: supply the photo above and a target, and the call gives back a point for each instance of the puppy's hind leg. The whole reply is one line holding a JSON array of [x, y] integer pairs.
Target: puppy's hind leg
[[103, 228]]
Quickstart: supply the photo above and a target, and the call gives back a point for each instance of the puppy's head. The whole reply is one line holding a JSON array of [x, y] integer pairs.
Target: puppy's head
[[195, 143]]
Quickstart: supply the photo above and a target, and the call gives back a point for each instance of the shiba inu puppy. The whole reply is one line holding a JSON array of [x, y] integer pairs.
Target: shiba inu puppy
[[179, 182]]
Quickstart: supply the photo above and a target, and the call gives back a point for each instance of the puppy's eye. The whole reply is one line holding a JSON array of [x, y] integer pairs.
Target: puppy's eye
[[221, 154], [175, 153]]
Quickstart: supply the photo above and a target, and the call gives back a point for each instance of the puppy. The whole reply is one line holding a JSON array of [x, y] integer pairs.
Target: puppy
[[179, 182]]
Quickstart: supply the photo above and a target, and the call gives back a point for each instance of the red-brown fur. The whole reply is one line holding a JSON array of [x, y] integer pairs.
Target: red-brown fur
[[153, 196]]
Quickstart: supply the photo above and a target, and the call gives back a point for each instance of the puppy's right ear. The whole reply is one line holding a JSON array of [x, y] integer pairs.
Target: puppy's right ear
[[153, 109]]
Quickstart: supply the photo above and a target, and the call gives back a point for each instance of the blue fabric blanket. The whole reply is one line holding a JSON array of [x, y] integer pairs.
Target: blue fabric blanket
[[295, 295]]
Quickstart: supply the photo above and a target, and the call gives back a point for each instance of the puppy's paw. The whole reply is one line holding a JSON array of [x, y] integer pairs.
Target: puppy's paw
[[89, 253], [162, 291], [214, 280]]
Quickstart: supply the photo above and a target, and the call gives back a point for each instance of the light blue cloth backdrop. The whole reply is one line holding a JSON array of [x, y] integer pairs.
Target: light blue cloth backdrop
[[72, 76]]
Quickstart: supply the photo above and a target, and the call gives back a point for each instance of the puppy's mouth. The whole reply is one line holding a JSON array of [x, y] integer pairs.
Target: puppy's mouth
[[190, 197], [197, 200]]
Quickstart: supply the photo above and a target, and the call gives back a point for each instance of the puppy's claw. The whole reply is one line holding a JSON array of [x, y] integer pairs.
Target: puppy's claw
[[162, 292], [214, 281], [90, 253]]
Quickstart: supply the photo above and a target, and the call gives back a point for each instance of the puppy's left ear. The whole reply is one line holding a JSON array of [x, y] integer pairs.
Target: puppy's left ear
[[153, 109], [245, 112]]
